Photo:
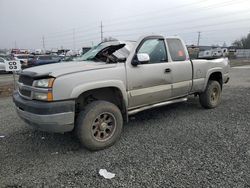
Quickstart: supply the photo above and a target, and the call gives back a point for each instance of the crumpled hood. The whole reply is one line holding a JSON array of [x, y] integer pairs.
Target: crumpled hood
[[58, 69]]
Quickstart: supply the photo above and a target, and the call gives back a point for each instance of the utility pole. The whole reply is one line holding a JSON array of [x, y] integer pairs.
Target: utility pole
[[15, 45], [43, 43], [74, 40], [199, 37], [101, 32]]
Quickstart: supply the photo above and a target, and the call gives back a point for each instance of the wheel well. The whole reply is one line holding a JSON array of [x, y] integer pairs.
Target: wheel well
[[217, 76], [110, 94]]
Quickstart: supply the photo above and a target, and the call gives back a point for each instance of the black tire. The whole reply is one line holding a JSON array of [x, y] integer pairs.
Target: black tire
[[93, 123], [211, 97]]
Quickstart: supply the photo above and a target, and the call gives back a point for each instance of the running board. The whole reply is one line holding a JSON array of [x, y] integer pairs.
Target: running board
[[131, 112]]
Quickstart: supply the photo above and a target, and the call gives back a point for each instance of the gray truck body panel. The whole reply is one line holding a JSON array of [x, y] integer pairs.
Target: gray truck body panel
[[142, 85]]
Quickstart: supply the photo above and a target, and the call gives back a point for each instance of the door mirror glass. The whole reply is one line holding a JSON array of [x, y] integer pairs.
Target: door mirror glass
[[140, 58], [143, 57]]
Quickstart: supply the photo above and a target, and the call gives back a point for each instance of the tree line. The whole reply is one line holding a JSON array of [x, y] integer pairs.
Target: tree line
[[244, 42]]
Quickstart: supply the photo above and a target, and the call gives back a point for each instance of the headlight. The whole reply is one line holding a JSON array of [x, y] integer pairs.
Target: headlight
[[47, 83], [45, 86]]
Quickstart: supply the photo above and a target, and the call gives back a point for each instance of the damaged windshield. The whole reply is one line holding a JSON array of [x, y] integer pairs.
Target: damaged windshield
[[91, 53], [109, 52]]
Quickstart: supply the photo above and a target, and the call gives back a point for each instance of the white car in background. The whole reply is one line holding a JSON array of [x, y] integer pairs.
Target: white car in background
[[23, 58], [2, 64]]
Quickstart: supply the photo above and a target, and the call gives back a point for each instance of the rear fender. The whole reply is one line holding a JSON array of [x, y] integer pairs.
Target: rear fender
[[209, 73]]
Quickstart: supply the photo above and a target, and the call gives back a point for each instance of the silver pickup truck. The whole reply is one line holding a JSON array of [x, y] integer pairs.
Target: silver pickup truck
[[96, 93]]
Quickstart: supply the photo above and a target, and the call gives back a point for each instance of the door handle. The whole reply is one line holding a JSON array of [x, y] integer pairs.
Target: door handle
[[167, 70]]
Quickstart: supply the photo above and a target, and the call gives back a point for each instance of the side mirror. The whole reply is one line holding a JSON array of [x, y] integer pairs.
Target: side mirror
[[143, 58], [140, 58]]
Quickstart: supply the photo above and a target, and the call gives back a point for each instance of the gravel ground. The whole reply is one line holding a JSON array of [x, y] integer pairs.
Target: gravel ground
[[6, 78], [6, 84], [181, 145]]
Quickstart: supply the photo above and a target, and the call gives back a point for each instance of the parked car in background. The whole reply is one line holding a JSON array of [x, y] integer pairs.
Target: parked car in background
[[23, 58], [2, 65], [43, 60], [2, 62], [85, 50], [68, 58], [213, 53]]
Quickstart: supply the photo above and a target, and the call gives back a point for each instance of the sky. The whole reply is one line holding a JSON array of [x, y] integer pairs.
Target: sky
[[32, 24]]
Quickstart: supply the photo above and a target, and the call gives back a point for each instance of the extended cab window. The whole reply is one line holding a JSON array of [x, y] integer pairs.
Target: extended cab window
[[156, 50], [176, 50]]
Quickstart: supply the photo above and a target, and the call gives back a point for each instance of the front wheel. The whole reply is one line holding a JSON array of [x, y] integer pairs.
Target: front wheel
[[99, 125], [211, 97]]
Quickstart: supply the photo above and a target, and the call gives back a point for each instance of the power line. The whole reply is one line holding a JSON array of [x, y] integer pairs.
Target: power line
[[87, 27], [77, 42], [188, 28], [70, 40], [215, 30], [176, 22], [91, 34], [205, 18], [183, 29], [170, 9], [157, 11], [66, 35], [210, 7], [67, 31], [83, 38]]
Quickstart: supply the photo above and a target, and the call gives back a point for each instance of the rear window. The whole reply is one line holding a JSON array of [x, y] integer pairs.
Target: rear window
[[176, 50]]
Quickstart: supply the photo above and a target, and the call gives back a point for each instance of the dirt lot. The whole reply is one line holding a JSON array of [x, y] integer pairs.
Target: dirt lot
[[181, 145], [6, 84]]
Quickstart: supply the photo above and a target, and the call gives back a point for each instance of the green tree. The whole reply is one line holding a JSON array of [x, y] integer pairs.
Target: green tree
[[244, 42]]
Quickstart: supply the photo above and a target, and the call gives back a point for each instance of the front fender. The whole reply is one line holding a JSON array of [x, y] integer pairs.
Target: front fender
[[77, 91]]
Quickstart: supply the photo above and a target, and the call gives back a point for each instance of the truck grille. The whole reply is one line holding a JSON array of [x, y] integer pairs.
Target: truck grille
[[26, 80], [25, 93]]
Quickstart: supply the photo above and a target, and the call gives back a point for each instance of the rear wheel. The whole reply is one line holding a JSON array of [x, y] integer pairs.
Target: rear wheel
[[211, 97], [99, 125]]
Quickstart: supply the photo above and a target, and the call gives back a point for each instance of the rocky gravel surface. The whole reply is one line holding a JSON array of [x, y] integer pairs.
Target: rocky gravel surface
[[181, 145]]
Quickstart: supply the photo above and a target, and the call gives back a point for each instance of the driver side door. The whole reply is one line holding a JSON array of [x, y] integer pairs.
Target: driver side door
[[150, 82]]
